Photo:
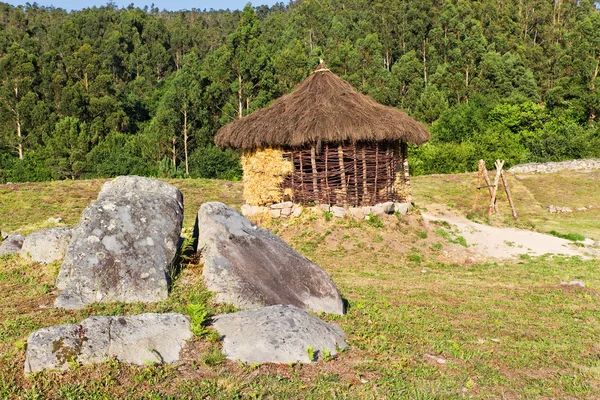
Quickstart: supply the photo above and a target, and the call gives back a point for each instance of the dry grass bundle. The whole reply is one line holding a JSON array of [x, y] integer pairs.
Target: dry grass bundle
[[264, 171], [323, 109]]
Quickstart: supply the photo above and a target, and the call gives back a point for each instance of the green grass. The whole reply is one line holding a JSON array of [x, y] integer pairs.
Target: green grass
[[569, 236], [506, 330]]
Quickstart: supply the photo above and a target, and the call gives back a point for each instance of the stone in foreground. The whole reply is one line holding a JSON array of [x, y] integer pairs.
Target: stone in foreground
[[124, 245], [277, 334], [11, 244], [46, 245], [249, 266], [139, 340]]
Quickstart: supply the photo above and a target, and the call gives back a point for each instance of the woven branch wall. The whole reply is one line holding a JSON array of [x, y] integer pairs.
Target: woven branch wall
[[359, 174]]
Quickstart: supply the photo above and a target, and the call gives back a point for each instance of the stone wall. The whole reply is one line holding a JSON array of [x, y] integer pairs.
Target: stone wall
[[570, 165], [289, 210]]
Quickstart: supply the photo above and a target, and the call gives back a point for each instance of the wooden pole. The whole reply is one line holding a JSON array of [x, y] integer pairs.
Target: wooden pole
[[376, 172], [356, 203], [510, 200], [364, 171], [493, 205], [480, 168], [328, 194], [489, 184], [313, 163], [343, 174]]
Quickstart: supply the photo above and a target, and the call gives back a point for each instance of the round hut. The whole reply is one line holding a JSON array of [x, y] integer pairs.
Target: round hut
[[324, 143]]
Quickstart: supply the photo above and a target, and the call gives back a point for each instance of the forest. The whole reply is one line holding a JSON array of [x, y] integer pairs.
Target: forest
[[110, 91]]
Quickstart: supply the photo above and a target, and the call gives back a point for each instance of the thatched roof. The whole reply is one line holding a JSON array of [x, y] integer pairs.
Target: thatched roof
[[322, 109]]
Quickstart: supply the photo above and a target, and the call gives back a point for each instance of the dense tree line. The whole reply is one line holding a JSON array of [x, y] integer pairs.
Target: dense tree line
[[108, 91]]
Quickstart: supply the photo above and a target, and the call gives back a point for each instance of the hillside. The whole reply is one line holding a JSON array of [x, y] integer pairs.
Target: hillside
[[424, 320]]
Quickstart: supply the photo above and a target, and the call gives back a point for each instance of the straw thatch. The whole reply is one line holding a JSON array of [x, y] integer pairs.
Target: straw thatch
[[323, 109], [264, 172]]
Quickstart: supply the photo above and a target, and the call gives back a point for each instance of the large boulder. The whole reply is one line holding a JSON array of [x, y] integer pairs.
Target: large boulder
[[11, 244], [277, 334], [124, 245], [46, 245], [249, 266], [141, 339]]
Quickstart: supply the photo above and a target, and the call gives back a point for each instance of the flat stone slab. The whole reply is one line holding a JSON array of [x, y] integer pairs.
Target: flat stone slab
[[249, 266], [123, 246], [46, 245], [277, 334], [11, 244], [140, 340]]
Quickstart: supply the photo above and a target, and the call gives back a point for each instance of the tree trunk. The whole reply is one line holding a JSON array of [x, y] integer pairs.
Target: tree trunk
[[240, 105], [18, 123], [185, 141], [173, 151], [424, 62]]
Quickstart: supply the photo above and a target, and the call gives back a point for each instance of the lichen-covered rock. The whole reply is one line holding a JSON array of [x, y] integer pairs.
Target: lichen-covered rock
[[11, 244], [249, 266], [140, 339], [46, 245], [277, 334], [124, 245]]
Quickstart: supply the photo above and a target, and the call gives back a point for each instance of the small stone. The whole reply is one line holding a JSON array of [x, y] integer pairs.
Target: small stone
[[366, 211], [356, 212], [275, 213], [324, 207], [296, 211], [437, 359], [286, 212], [551, 209], [248, 210], [12, 244], [338, 212], [574, 283], [285, 204], [46, 245], [582, 209], [402, 208], [388, 207], [377, 210], [55, 220]]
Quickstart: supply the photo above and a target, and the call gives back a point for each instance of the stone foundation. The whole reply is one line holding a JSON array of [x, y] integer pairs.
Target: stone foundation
[[571, 165], [289, 210]]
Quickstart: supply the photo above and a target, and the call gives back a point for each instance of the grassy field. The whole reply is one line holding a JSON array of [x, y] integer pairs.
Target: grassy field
[[419, 325]]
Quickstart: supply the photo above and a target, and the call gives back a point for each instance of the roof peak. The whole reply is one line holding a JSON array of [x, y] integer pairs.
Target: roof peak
[[321, 66]]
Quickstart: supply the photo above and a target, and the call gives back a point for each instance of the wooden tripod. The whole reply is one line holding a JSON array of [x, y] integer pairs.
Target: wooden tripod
[[493, 188]]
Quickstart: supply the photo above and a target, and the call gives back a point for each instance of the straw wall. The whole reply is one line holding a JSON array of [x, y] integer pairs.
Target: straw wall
[[264, 171]]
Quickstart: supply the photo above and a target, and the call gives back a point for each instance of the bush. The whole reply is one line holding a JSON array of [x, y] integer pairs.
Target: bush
[[31, 168], [116, 155], [211, 162]]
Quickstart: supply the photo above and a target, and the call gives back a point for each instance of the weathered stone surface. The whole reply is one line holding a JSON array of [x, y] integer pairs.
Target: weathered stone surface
[[141, 339], [388, 207], [46, 245], [356, 212], [248, 210], [286, 212], [324, 207], [11, 244], [285, 204], [277, 334], [559, 210], [377, 210], [338, 212], [55, 220], [275, 213], [297, 211], [402, 208], [250, 267], [123, 246]]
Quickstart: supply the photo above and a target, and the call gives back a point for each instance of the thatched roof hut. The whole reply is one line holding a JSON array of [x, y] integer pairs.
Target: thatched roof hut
[[324, 143]]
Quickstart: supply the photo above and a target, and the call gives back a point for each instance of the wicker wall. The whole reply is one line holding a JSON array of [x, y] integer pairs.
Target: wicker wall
[[348, 175]]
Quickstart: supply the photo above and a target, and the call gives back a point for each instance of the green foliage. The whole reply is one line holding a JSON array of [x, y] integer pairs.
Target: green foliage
[[569, 236], [374, 221], [311, 353], [328, 215], [199, 318], [156, 86]]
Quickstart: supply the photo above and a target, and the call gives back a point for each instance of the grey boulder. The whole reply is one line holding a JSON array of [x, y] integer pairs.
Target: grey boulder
[[46, 245], [139, 340], [249, 266], [11, 244], [277, 334], [123, 247]]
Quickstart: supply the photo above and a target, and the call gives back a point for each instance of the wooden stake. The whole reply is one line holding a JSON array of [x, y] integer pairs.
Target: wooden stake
[[343, 173], [480, 168], [493, 205], [510, 200], [313, 163]]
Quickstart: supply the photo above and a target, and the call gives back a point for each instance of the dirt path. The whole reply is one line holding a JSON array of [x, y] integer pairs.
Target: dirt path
[[504, 243]]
